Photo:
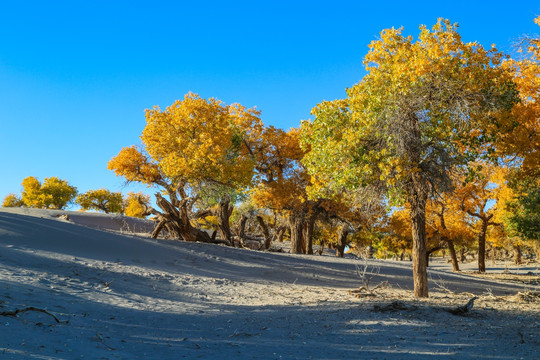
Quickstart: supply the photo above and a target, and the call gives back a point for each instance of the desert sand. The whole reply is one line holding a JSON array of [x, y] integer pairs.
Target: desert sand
[[93, 286]]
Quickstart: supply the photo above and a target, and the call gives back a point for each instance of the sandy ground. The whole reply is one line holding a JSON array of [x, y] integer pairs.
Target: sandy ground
[[120, 296]]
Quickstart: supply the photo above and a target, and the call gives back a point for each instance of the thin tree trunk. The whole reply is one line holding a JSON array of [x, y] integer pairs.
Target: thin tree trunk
[[342, 240], [242, 230], [310, 225], [280, 233], [517, 254], [417, 201], [462, 255], [431, 251], [482, 247], [453, 255]]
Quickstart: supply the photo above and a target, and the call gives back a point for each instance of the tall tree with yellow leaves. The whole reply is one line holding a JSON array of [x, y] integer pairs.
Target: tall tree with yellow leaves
[[418, 112]]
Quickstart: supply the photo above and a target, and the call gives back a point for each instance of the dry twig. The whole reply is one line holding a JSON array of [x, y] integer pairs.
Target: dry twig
[[15, 312], [100, 339]]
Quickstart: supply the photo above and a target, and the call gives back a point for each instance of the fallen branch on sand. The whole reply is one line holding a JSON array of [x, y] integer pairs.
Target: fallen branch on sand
[[393, 306], [397, 305], [366, 291], [462, 310], [31, 308]]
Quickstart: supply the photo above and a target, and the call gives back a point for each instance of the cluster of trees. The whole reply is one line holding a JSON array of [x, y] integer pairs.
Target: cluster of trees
[[55, 193], [437, 147]]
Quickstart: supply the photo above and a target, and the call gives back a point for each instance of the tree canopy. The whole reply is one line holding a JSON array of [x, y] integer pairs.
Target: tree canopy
[[101, 200], [53, 193]]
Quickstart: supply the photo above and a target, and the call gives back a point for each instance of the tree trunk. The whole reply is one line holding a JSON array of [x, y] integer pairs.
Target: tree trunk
[[342, 240], [224, 212], [417, 200], [242, 227], [280, 233], [308, 236], [462, 256], [431, 251], [517, 254], [453, 255], [296, 223], [482, 247], [160, 225], [266, 233], [178, 221], [493, 255]]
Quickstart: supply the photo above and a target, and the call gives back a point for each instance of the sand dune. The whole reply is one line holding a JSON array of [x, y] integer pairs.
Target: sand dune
[[130, 297]]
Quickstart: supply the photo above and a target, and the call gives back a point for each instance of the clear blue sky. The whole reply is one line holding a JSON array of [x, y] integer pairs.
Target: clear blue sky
[[75, 77]]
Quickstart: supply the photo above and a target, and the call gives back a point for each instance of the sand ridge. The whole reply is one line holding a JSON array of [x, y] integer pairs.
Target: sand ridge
[[127, 296]]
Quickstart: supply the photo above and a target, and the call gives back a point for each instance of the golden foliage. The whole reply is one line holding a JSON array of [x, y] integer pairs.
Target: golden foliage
[[54, 193], [136, 204], [422, 107], [198, 140], [12, 200], [135, 166], [281, 179], [522, 135], [101, 200]]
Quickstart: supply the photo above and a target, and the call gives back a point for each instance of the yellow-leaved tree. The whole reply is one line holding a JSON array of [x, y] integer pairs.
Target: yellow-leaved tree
[[483, 195], [420, 110], [53, 193], [522, 141], [281, 182], [196, 149], [12, 200], [101, 200], [520, 133]]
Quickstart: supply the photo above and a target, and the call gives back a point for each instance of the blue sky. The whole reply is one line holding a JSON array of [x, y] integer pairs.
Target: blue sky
[[75, 77]]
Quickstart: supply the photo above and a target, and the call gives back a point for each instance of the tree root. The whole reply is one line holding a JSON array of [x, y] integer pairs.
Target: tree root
[[31, 308]]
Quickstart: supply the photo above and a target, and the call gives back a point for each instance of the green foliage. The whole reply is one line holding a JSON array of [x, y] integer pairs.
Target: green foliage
[[525, 218]]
